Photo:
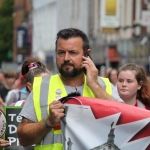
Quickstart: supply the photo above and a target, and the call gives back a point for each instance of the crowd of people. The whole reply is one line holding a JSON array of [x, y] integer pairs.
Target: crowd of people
[[41, 113]]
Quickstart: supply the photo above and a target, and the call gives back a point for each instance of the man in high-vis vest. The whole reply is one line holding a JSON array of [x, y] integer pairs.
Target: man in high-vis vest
[[77, 73]]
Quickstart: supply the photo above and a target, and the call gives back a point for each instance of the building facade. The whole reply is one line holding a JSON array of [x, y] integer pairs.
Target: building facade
[[117, 36]]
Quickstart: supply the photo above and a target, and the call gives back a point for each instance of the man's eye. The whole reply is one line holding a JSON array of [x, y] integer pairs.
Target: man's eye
[[73, 53], [61, 53]]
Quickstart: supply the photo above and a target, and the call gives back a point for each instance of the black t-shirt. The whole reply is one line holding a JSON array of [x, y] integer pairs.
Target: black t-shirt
[[3, 93]]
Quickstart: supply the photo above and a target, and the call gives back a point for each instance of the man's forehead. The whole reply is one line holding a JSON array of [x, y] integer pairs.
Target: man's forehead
[[72, 42]]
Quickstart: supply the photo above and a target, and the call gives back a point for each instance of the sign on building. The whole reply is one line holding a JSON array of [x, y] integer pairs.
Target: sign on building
[[21, 37], [22, 46], [145, 18], [110, 13]]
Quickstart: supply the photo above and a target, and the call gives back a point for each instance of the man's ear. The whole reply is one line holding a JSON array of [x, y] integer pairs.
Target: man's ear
[[29, 86], [89, 51]]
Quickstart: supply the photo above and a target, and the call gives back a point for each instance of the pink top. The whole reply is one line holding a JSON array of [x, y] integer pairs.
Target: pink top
[[19, 103]]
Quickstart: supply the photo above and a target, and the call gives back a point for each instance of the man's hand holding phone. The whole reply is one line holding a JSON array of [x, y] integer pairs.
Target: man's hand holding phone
[[86, 55], [91, 71]]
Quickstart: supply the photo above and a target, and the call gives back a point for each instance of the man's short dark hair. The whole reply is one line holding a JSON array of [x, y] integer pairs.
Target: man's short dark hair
[[73, 32]]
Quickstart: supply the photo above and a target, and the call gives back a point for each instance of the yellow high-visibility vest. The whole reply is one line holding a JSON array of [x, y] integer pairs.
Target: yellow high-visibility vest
[[55, 84]]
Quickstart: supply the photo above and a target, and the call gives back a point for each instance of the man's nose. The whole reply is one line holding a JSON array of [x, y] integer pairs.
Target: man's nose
[[67, 56]]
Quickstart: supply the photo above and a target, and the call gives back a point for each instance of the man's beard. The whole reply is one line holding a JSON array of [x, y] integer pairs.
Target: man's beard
[[69, 74]]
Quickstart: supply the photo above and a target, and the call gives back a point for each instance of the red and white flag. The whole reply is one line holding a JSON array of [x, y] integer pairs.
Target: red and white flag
[[94, 124]]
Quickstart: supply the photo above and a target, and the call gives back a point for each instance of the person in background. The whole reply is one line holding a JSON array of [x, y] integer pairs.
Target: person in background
[[107, 71], [1, 79], [18, 92], [133, 86], [3, 143], [10, 77], [41, 113], [31, 67], [112, 76]]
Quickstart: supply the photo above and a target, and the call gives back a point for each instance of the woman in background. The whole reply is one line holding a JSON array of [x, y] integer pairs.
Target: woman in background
[[133, 86], [112, 76]]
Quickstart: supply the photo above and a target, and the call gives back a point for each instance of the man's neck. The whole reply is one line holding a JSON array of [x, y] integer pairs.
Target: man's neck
[[77, 81]]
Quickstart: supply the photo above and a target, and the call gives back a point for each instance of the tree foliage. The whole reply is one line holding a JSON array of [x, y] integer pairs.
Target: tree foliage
[[6, 30]]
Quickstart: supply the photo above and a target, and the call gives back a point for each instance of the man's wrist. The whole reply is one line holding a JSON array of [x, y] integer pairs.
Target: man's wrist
[[46, 125]]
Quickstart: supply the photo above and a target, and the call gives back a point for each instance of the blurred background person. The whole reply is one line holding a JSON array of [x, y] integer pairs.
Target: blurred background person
[[18, 92], [3, 143], [133, 86], [112, 76], [1, 79], [32, 67], [107, 71], [10, 77], [2, 104]]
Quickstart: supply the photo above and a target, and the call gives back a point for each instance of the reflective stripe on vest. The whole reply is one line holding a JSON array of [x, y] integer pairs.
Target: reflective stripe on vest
[[108, 85], [36, 96], [57, 146]]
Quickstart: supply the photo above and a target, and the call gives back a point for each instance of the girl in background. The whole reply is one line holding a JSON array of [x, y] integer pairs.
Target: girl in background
[[133, 85]]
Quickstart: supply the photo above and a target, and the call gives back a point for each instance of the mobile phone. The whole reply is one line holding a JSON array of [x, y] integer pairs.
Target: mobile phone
[[86, 55]]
